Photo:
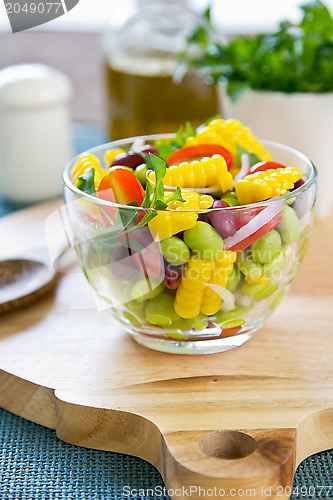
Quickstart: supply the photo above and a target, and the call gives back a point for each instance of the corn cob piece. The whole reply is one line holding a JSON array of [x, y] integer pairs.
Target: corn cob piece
[[266, 184], [192, 286], [211, 300], [228, 133], [167, 223], [207, 172]]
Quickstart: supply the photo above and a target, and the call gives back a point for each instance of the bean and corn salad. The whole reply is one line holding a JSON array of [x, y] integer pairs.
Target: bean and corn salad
[[187, 256]]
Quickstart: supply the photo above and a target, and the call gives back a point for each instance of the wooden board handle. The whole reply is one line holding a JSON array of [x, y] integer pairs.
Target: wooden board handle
[[239, 464], [257, 463]]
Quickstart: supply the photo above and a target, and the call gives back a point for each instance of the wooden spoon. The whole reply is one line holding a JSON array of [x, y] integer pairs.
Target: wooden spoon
[[26, 279], [22, 281]]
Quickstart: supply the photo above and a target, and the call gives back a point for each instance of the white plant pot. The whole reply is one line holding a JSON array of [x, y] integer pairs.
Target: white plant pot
[[303, 121]]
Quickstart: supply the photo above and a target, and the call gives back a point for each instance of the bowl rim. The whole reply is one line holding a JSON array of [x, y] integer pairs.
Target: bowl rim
[[312, 176]]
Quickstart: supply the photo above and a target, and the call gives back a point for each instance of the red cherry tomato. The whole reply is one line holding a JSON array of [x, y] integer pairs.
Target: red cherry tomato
[[105, 191], [126, 187], [244, 219], [265, 165], [227, 332], [191, 153]]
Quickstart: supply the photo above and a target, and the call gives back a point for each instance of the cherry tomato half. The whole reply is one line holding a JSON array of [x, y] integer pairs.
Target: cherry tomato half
[[191, 153], [265, 165]]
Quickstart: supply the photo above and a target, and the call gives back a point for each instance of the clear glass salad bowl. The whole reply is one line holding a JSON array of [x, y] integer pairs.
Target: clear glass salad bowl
[[198, 303]]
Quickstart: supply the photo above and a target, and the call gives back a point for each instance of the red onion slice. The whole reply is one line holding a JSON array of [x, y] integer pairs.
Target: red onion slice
[[256, 223], [245, 167]]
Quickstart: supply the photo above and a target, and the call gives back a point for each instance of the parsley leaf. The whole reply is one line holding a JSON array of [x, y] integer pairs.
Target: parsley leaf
[[86, 181], [298, 57], [252, 157]]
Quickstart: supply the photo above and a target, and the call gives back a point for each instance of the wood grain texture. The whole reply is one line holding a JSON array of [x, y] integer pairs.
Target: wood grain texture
[[241, 419]]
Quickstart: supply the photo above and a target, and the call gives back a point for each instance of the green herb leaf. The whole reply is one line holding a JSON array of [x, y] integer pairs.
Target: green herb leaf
[[296, 58], [159, 167], [86, 181], [176, 196], [160, 205], [252, 157], [189, 131], [149, 192], [125, 218], [132, 244], [179, 138], [165, 149]]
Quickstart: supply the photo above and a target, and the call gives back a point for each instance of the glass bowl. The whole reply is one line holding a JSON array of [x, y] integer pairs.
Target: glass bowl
[[206, 302]]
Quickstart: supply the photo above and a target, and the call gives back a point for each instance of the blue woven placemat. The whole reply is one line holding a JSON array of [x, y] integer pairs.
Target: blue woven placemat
[[35, 464]]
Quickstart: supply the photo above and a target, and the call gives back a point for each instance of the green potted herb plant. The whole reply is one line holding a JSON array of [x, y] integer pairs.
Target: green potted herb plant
[[280, 85]]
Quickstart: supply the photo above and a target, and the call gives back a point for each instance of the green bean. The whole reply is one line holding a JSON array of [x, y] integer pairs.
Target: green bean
[[199, 322], [204, 240], [160, 310], [140, 173], [267, 248], [181, 324], [274, 268], [289, 227], [248, 266], [146, 288], [258, 291], [175, 251], [234, 279], [230, 319]]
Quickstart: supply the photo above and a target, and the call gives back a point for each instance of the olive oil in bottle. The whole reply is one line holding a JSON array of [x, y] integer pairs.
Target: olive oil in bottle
[[141, 57]]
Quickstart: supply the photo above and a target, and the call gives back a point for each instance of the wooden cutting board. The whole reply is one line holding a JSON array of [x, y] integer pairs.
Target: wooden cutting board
[[235, 421]]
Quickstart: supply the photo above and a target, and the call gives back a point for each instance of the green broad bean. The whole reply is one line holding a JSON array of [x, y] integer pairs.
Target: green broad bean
[[199, 322], [267, 248], [134, 319], [234, 279], [175, 251], [276, 300], [140, 173], [230, 198], [160, 310], [176, 336], [289, 227], [248, 266], [258, 291], [204, 240], [230, 319], [133, 305], [181, 324], [290, 201], [302, 249], [274, 268], [146, 288]]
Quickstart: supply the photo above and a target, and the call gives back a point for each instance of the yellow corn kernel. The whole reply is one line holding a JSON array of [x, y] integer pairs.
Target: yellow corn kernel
[[261, 281], [207, 172], [266, 184], [228, 133], [111, 154]]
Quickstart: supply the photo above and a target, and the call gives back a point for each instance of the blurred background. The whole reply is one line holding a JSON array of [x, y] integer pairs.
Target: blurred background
[[120, 59], [72, 43]]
